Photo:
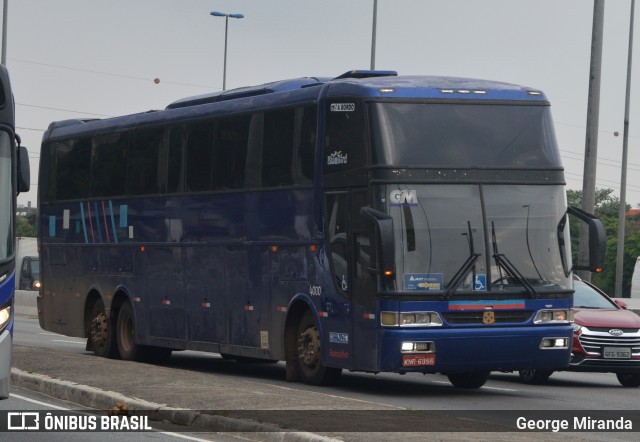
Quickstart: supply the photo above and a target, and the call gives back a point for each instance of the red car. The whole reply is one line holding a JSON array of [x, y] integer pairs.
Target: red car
[[606, 338]]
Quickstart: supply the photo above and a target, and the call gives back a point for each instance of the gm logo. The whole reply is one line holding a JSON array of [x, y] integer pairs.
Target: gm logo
[[403, 198]]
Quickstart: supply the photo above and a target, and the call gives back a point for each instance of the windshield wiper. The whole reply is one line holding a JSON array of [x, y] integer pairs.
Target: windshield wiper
[[466, 267], [510, 269]]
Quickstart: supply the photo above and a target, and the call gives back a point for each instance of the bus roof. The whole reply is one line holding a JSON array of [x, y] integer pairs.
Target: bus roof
[[356, 83]]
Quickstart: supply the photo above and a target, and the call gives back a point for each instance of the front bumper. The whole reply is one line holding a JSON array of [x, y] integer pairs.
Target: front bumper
[[474, 349]]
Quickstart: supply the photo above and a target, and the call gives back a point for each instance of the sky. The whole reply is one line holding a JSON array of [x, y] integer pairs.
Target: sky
[[97, 59]]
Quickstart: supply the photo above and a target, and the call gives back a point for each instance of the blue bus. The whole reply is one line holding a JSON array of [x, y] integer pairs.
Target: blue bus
[[369, 222], [14, 178]]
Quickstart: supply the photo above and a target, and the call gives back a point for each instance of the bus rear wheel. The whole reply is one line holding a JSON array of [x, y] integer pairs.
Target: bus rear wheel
[[310, 366], [100, 335], [126, 340], [468, 379], [126, 334]]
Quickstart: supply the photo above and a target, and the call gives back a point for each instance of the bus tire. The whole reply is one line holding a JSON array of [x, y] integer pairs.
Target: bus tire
[[308, 354], [534, 376], [100, 334], [126, 335], [468, 379]]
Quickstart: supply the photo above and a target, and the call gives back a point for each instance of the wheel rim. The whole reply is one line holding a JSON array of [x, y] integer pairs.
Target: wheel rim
[[99, 330], [528, 373], [309, 349]]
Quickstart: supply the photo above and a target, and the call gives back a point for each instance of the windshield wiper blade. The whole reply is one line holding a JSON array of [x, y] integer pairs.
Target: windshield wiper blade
[[466, 267], [510, 269]]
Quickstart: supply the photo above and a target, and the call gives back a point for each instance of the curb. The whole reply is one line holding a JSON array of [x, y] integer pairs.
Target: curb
[[96, 398]]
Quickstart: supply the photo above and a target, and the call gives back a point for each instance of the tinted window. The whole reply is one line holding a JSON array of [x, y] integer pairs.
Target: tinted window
[[174, 166], [305, 139], [278, 148], [142, 162], [72, 162], [199, 156], [230, 152], [464, 135], [345, 143], [108, 162]]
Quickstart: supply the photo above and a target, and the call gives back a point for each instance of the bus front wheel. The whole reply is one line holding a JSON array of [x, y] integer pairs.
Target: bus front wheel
[[310, 366], [468, 379]]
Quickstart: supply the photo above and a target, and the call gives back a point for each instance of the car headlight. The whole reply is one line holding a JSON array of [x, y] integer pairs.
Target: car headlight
[[36, 285], [576, 327], [556, 316]]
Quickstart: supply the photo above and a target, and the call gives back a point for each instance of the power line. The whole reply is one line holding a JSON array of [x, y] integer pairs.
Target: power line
[[63, 110], [111, 74]]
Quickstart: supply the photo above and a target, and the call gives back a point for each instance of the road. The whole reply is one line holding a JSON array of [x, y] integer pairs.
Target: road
[[22, 400], [569, 393]]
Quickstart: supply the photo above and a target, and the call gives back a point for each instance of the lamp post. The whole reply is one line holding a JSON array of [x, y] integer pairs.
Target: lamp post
[[226, 30], [373, 34]]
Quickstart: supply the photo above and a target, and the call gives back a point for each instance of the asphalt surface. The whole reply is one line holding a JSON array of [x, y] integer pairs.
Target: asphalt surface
[[220, 401]]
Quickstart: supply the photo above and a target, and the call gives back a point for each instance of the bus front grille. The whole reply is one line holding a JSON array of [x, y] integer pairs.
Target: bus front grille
[[477, 317]]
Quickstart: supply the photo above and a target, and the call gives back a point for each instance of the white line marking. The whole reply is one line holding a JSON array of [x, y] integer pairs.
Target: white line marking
[[70, 342]]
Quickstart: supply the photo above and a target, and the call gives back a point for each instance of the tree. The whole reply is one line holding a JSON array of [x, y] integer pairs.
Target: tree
[[26, 225], [606, 208]]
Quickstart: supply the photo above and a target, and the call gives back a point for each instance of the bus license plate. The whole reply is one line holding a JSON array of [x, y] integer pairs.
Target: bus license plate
[[418, 360], [617, 353]]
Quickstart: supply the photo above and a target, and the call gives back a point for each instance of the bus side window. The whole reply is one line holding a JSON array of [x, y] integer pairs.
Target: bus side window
[[142, 160], [108, 160], [337, 211], [278, 148], [304, 150], [71, 166], [230, 152], [174, 167], [345, 143], [199, 156]]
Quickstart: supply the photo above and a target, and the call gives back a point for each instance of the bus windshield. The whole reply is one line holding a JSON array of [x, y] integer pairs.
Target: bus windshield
[[464, 135], [6, 198], [477, 237]]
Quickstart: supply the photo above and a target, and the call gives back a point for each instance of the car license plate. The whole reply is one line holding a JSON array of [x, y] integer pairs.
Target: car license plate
[[418, 360], [616, 353]]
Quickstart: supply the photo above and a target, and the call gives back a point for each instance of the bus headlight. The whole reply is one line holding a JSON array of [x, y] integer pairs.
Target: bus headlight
[[558, 316], [5, 316], [410, 319], [554, 344]]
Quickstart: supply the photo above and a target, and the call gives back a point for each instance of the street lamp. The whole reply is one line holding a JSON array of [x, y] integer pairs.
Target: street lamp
[[226, 30]]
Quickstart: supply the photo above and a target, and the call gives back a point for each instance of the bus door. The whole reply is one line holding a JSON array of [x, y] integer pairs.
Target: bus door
[[336, 302], [363, 284]]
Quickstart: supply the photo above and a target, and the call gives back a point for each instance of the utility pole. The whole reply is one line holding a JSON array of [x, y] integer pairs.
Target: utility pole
[[591, 145], [5, 11], [623, 179], [373, 34]]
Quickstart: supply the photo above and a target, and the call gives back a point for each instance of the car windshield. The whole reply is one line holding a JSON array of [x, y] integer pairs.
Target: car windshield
[[587, 297]]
